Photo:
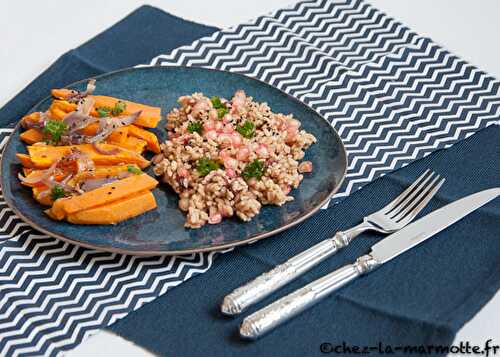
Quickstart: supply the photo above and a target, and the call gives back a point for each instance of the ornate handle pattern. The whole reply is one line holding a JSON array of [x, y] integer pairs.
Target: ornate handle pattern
[[289, 306], [263, 285], [267, 283]]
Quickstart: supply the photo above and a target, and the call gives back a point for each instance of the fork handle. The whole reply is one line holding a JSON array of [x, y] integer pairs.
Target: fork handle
[[273, 315], [267, 283]]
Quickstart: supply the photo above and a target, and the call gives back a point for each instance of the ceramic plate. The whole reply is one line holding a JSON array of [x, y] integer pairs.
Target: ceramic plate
[[162, 231]]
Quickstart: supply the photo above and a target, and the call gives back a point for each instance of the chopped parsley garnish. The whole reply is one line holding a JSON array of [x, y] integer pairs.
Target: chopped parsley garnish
[[133, 169], [53, 130], [103, 112], [118, 109], [221, 108], [57, 192], [246, 130], [253, 169], [221, 112], [195, 127], [216, 102], [204, 166]]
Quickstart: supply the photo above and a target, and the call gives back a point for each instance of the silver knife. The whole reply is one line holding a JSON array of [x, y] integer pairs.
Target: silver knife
[[273, 315], [408, 204]]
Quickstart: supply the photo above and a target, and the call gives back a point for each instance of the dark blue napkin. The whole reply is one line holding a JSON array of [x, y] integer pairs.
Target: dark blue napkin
[[421, 298], [424, 297], [136, 39]]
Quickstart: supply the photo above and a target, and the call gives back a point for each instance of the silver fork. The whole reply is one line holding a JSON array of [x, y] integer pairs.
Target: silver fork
[[394, 216]]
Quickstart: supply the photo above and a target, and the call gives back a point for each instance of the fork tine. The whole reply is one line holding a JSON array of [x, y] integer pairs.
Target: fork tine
[[421, 201], [426, 187], [394, 203], [412, 196]]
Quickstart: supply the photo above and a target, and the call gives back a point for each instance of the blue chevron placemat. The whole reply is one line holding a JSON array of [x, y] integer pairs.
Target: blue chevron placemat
[[392, 95]]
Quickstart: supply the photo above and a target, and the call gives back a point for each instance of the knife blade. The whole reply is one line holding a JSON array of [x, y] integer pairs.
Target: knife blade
[[427, 226], [273, 315]]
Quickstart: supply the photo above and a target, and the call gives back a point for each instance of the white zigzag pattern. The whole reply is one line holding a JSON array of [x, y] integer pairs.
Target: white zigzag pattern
[[110, 291], [286, 45], [392, 96], [90, 306]]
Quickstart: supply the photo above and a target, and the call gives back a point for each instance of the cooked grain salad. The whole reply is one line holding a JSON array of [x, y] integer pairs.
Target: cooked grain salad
[[229, 157]]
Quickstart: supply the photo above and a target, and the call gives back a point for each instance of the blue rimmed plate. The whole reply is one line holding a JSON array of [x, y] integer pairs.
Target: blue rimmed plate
[[162, 232]]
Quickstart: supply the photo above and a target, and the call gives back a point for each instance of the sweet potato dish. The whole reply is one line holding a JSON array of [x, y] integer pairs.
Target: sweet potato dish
[[85, 157]]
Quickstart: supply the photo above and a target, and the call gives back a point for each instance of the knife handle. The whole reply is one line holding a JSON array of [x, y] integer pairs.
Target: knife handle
[[267, 283], [291, 305]]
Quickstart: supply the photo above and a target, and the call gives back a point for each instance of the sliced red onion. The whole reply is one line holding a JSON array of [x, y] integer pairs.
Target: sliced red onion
[[77, 120], [83, 162], [106, 127], [44, 193], [74, 139], [90, 87], [92, 184], [66, 179], [44, 117], [102, 151], [85, 105], [124, 174], [117, 122], [46, 175], [72, 119], [50, 183], [80, 118], [80, 95]]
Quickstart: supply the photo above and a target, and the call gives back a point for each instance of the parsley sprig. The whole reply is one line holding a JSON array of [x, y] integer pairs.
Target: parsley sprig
[[246, 130], [195, 127], [134, 169], [103, 112], [57, 192], [53, 131], [118, 109], [253, 169], [219, 106], [204, 166]]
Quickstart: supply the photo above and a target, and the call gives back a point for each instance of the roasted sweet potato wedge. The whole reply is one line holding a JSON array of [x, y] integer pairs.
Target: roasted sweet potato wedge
[[42, 156], [116, 211], [149, 137], [149, 118], [102, 195]]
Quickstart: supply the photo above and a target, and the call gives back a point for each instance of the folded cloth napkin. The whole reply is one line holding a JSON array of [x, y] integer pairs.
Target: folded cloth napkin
[[419, 299]]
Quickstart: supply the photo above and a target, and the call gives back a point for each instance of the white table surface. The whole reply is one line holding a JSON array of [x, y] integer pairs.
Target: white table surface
[[34, 34]]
